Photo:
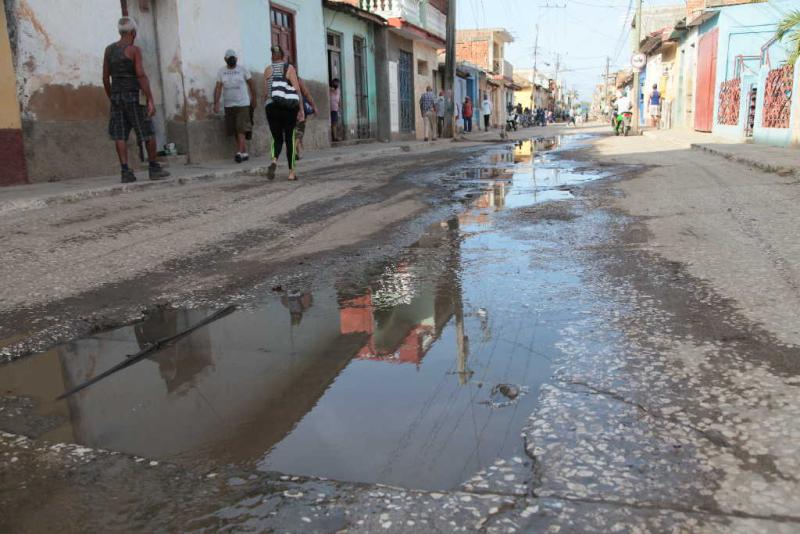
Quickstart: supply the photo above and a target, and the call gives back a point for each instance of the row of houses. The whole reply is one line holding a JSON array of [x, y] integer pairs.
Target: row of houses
[[54, 112], [721, 70], [53, 109]]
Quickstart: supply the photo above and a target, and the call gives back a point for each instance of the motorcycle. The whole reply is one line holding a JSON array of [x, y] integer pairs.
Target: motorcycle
[[623, 120], [512, 122]]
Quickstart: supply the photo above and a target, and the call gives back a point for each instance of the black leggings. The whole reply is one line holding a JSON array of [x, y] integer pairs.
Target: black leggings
[[486, 121], [282, 123]]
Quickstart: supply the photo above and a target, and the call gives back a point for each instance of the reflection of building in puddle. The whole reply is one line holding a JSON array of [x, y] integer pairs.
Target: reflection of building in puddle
[[233, 389], [491, 199], [405, 308], [546, 143], [178, 364], [501, 157]]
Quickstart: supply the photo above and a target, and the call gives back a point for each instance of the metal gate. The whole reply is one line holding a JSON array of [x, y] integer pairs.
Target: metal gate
[[362, 98], [706, 81], [405, 76]]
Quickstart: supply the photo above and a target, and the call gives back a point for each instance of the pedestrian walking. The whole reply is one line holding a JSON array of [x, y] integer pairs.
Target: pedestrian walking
[[486, 109], [466, 113], [309, 109], [655, 106], [235, 85], [427, 107], [125, 81], [282, 108], [441, 109], [335, 94], [571, 116]]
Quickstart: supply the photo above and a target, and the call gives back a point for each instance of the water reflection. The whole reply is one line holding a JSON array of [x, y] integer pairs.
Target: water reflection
[[376, 377]]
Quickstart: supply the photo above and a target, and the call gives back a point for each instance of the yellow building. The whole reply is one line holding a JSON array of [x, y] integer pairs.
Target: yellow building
[[12, 153]]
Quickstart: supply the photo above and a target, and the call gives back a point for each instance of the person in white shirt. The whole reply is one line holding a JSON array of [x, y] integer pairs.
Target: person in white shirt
[[623, 106], [235, 85], [624, 103], [486, 109]]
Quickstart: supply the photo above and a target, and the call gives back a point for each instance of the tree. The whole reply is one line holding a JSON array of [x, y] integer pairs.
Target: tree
[[789, 28]]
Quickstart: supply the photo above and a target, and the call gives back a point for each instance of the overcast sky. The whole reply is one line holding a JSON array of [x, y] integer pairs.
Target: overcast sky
[[583, 32]]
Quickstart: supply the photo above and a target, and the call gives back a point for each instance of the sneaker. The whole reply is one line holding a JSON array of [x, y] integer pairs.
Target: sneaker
[[127, 176], [245, 156], [157, 172], [271, 171], [238, 157]]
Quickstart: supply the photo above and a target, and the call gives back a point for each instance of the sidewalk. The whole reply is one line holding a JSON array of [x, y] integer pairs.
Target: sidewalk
[[40, 195], [782, 161]]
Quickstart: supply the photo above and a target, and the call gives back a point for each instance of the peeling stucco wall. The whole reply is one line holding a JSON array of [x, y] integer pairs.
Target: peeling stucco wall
[[58, 66], [59, 60]]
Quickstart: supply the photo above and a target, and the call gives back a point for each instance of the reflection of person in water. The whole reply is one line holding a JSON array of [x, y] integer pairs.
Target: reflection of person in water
[[297, 303], [180, 363]]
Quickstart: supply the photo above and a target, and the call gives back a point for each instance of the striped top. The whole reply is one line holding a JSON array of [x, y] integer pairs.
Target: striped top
[[278, 85]]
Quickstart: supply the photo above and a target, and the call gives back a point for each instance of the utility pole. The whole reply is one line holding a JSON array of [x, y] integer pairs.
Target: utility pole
[[557, 96], [535, 57], [450, 69], [636, 88], [604, 100]]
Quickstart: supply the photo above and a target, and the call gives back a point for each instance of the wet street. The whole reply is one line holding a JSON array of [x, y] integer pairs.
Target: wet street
[[525, 360], [418, 372]]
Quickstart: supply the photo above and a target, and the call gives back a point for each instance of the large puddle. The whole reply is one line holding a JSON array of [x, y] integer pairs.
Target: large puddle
[[419, 372]]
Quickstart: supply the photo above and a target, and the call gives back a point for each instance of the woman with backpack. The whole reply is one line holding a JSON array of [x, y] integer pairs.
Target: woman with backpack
[[283, 109]]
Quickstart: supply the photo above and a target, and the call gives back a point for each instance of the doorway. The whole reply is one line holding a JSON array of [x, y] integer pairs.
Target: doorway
[[361, 90], [335, 72], [405, 73], [706, 81], [282, 23], [147, 40]]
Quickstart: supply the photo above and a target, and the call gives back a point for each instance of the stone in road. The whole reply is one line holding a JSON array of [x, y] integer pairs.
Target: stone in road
[[672, 408]]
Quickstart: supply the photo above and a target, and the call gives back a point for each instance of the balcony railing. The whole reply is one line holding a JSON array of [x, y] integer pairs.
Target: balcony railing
[[417, 12], [435, 21], [408, 10]]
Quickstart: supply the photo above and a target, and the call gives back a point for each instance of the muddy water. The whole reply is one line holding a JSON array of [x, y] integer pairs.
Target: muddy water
[[418, 372]]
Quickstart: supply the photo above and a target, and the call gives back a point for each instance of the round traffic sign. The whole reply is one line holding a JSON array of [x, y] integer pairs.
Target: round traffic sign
[[639, 60]]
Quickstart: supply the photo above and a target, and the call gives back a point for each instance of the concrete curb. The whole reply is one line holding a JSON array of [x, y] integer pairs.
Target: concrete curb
[[780, 170]]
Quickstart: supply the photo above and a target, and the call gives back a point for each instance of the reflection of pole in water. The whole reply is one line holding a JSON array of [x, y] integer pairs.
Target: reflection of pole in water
[[462, 341]]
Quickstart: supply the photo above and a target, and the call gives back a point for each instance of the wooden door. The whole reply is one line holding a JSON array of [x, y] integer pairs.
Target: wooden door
[[282, 22], [706, 81]]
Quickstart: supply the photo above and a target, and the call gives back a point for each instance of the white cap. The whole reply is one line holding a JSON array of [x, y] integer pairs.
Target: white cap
[[230, 53], [126, 25]]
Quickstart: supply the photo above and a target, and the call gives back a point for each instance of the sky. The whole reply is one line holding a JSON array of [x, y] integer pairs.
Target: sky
[[583, 32]]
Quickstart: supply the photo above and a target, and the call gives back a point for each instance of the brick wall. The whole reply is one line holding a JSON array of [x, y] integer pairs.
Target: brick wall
[[693, 7], [475, 52]]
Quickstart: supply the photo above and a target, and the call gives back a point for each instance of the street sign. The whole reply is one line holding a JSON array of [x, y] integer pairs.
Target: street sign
[[638, 61]]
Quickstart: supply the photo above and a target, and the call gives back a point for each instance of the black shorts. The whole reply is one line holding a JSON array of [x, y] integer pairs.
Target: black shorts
[[126, 115]]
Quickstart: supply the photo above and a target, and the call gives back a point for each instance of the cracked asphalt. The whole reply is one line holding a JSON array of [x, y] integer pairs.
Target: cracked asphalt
[[672, 405]]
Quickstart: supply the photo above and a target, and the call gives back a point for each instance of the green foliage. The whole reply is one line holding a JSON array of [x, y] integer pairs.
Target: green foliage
[[789, 29]]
